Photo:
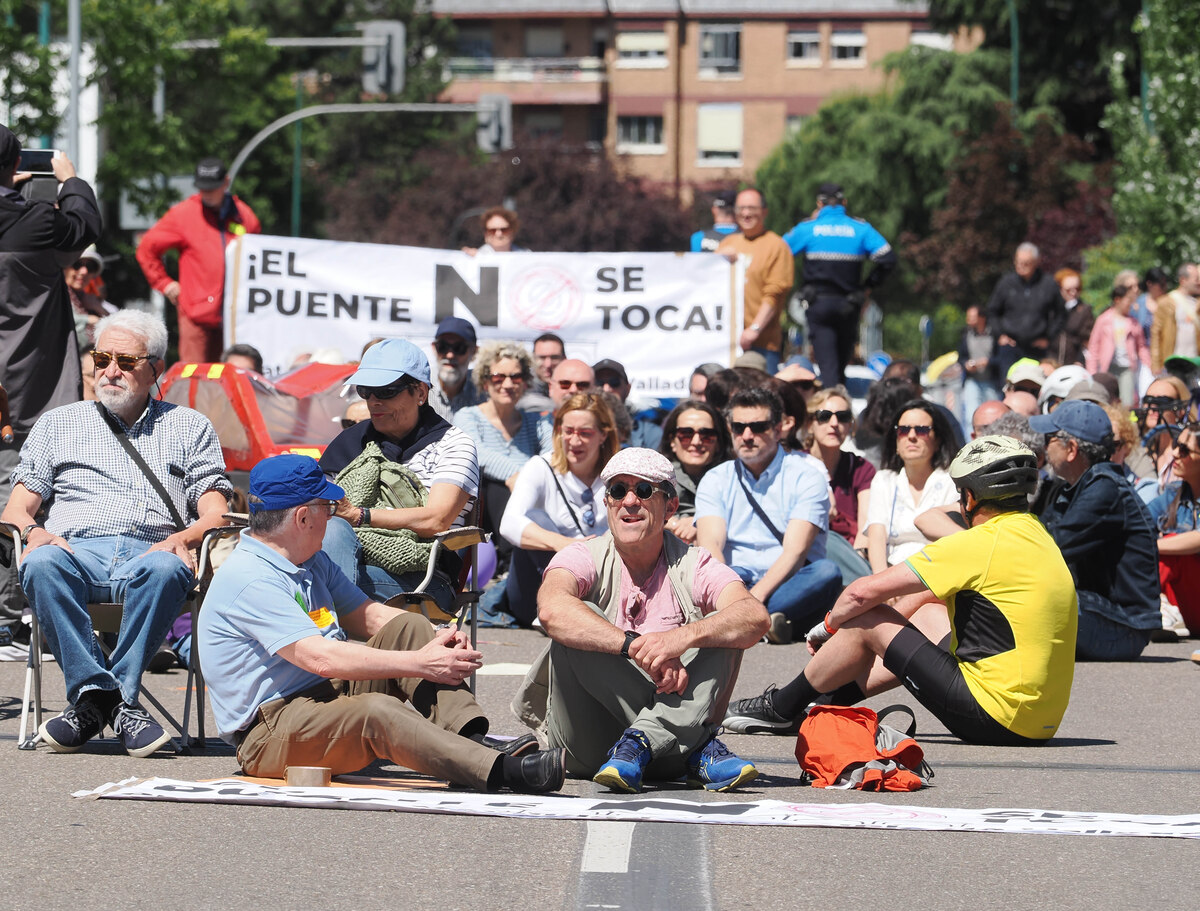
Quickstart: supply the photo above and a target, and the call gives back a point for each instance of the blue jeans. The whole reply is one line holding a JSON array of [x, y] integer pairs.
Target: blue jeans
[[1102, 639], [59, 585], [807, 594], [342, 545]]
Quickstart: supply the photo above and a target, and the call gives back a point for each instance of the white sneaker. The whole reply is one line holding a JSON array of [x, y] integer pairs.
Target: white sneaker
[[1172, 620]]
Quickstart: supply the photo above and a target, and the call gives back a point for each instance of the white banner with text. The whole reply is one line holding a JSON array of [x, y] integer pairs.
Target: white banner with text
[[659, 314]]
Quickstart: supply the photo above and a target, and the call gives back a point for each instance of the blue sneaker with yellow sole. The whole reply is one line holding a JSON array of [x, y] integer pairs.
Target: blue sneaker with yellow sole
[[714, 768], [627, 762]]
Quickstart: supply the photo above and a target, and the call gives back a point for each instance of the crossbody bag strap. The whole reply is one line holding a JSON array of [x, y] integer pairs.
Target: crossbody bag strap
[[562, 493], [123, 439], [754, 504]]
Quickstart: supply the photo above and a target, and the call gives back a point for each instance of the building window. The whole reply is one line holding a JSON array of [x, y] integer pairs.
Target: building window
[[642, 50], [795, 122], [803, 48], [640, 134], [720, 49], [473, 41], [934, 40], [544, 124], [719, 134], [543, 41], [848, 49]]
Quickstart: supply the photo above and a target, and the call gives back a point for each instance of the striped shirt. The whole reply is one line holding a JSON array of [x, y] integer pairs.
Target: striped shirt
[[500, 458], [92, 488], [451, 460]]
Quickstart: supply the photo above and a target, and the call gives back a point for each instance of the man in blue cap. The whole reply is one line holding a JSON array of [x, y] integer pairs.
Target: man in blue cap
[[288, 685], [1105, 534], [454, 347]]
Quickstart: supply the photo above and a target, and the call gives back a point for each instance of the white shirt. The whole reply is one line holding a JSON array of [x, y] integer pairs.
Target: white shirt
[[892, 506], [535, 499]]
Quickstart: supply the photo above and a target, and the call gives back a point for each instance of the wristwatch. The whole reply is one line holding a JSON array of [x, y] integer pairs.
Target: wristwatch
[[630, 635], [26, 531]]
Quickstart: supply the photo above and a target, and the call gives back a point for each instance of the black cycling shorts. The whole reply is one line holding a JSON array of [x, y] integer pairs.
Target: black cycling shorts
[[931, 674]]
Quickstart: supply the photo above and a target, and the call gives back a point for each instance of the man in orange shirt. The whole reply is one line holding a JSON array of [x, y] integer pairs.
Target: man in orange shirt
[[199, 228], [769, 276]]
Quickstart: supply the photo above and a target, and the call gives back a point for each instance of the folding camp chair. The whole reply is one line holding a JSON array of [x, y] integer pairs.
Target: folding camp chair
[[106, 618]]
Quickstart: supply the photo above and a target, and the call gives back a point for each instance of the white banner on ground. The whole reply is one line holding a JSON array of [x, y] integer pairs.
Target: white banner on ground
[[659, 314], [658, 809]]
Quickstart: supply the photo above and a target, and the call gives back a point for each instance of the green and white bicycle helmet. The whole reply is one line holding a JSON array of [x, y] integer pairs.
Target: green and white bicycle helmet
[[995, 468]]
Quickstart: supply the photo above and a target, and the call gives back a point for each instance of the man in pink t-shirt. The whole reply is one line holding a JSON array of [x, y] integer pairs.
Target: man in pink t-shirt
[[648, 636]]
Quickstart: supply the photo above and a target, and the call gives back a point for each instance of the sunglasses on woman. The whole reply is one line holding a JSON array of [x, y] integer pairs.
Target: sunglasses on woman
[[383, 393], [824, 416], [685, 434], [498, 379], [921, 430], [643, 490], [125, 362]]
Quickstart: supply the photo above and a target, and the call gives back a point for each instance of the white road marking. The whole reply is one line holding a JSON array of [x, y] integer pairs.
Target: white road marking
[[503, 670], [606, 849]]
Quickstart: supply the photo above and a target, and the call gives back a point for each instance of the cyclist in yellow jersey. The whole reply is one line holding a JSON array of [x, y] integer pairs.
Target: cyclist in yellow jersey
[[983, 633]]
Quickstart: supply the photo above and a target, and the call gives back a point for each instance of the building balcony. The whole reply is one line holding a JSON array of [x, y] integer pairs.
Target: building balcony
[[527, 80]]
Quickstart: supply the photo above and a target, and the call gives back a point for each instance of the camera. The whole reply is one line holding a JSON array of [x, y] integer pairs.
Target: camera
[[43, 185]]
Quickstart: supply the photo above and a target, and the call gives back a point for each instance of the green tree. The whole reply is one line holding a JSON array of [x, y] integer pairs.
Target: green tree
[[1065, 50], [1157, 176], [26, 74]]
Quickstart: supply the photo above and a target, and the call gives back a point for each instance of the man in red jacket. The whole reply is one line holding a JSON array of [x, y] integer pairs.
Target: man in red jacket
[[199, 228]]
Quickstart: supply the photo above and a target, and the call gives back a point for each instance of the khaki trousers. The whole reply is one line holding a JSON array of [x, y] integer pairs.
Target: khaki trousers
[[346, 725], [595, 697]]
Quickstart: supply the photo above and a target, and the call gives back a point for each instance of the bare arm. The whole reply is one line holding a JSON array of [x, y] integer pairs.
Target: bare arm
[[534, 537], [211, 509], [864, 503], [939, 522], [877, 547], [445, 503], [570, 622], [863, 594], [710, 534], [797, 539], [1182, 544], [21, 510], [441, 660]]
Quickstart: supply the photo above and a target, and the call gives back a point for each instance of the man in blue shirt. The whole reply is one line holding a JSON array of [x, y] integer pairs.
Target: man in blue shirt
[[766, 514], [834, 247], [723, 224], [290, 688]]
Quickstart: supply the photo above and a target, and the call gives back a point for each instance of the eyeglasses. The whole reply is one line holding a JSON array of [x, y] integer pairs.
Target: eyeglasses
[[383, 393], [756, 427], [125, 362], [589, 508], [581, 385], [824, 416], [921, 430], [82, 264], [347, 423], [504, 230], [1161, 403], [746, 210], [1184, 450], [584, 433], [329, 507], [685, 434], [458, 349], [497, 379], [643, 490]]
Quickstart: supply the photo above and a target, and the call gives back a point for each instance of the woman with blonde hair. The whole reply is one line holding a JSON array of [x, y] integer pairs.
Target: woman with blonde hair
[[556, 501]]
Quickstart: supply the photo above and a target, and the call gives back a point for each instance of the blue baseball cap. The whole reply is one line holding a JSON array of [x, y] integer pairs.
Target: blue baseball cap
[[454, 325], [391, 359], [284, 481], [1085, 421]]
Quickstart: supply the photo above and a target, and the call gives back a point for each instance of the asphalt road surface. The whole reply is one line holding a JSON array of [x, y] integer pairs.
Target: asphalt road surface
[[1129, 744]]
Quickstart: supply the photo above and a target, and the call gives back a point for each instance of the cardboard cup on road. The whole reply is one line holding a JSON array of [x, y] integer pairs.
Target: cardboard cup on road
[[307, 776]]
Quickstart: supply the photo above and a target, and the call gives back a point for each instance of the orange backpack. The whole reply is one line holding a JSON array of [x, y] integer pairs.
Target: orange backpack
[[847, 747]]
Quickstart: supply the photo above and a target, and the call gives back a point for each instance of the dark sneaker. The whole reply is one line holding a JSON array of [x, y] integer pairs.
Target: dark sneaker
[[510, 746], [627, 762], [780, 632], [140, 734], [714, 768], [163, 660], [540, 773], [68, 732], [757, 715]]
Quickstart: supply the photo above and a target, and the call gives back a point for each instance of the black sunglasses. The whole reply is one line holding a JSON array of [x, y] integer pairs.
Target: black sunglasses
[[444, 347], [1184, 450], [643, 490], [921, 430], [684, 434], [83, 264], [824, 416], [383, 393], [756, 427], [1161, 403], [589, 508], [581, 385], [125, 362]]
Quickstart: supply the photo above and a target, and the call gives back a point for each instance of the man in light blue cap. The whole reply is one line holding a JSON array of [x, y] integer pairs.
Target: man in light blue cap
[[1105, 534], [288, 685], [404, 430]]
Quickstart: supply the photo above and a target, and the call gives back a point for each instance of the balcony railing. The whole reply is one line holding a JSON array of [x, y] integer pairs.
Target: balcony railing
[[527, 69]]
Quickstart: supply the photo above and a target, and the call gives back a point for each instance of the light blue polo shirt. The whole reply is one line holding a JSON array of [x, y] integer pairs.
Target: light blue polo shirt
[[793, 486], [258, 603]]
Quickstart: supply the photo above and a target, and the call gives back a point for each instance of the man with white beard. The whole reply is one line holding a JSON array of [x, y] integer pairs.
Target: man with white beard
[[454, 348], [108, 534]]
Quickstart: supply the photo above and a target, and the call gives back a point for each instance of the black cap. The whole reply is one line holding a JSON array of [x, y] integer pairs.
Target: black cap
[[10, 147], [829, 190], [724, 199], [210, 174], [611, 366]]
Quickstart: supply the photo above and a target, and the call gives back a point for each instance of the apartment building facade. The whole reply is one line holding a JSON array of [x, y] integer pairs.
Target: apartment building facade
[[685, 91]]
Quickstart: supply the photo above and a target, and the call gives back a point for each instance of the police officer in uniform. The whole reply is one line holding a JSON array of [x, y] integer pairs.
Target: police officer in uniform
[[834, 247]]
